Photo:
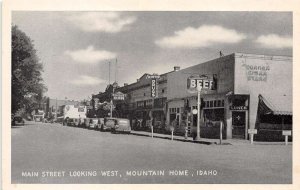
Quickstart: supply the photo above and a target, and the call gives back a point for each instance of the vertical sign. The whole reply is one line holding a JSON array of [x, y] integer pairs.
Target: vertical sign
[[153, 88]]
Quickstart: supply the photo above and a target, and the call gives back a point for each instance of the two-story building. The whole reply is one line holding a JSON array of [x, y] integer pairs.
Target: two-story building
[[145, 101]]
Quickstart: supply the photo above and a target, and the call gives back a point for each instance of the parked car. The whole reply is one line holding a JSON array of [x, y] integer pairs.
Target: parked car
[[122, 126], [108, 123], [116, 125], [81, 122], [38, 118], [94, 123], [71, 122], [58, 120], [86, 122], [18, 120], [100, 123]]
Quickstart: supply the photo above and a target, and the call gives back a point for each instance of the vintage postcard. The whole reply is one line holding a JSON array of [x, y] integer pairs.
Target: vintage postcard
[[150, 95]]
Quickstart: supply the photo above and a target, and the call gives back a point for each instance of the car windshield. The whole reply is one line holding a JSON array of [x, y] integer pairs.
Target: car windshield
[[18, 118]]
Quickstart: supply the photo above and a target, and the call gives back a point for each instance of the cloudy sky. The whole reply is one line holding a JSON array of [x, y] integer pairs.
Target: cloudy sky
[[75, 47]]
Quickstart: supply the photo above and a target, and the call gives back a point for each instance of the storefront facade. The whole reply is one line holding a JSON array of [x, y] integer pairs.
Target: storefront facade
[[142, 107], [241, 80]]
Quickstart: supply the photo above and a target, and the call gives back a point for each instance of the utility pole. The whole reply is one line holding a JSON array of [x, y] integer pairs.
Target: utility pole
[[56, 109], [198, 113], [116, 67], [109, 72], [111, 103]]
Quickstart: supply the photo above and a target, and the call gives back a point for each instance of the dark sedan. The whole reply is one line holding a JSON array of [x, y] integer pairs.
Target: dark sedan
[[17, 120]]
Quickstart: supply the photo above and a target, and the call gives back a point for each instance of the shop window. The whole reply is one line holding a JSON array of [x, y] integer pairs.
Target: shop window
[[140, 104], [211, 104], [207, 104], [148, 103], [219, 103], [213, 114], [172, 110]]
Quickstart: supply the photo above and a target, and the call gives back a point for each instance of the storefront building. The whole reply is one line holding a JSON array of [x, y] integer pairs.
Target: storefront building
[[145, 101], [252, 92]]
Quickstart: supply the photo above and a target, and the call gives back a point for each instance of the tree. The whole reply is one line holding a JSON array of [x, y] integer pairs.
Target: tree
[[27, 86]]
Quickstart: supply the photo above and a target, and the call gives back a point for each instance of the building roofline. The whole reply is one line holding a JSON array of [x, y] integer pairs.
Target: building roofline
[[263, 56]]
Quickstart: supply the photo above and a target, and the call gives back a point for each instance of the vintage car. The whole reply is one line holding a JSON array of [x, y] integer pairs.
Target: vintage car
[[108, 123], [18, 120], [94, 123], [121, 126], [116, 125], [71, 122]]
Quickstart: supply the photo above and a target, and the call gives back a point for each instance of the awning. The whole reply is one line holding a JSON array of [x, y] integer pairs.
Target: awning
[[276, 104]]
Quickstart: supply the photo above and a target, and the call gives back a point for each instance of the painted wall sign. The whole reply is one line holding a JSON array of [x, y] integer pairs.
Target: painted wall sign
[[257, 72], [238, 107]]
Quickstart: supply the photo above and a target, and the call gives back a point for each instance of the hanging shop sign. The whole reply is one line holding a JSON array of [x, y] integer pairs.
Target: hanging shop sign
[[252, 131], [236, 108], [206, 82], [287, 133], [118, 96]]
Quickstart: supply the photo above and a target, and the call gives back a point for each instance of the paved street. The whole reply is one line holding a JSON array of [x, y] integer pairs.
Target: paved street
[[52, 153]]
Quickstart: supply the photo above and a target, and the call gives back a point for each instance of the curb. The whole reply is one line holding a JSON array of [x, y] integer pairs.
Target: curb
[[175, 139]]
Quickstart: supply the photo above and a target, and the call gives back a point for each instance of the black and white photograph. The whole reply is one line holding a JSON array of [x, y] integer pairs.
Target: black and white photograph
[[151, 97]]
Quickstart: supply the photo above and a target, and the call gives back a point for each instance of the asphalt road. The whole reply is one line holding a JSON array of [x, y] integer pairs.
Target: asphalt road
[[52, 153]]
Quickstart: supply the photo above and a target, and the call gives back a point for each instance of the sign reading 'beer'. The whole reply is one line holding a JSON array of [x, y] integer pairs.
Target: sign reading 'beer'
[[204, 81]]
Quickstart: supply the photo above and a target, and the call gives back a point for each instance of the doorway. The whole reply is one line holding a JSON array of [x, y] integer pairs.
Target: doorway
[[238, 124]]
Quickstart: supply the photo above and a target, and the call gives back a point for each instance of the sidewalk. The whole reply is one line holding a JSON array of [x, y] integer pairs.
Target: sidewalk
[[205, 141], [175, 137]]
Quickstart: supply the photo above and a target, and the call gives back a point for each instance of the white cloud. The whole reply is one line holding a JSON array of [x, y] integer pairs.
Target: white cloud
[[274, 41], [203, 36], [110, 22], [90, 55], [85, 80]]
